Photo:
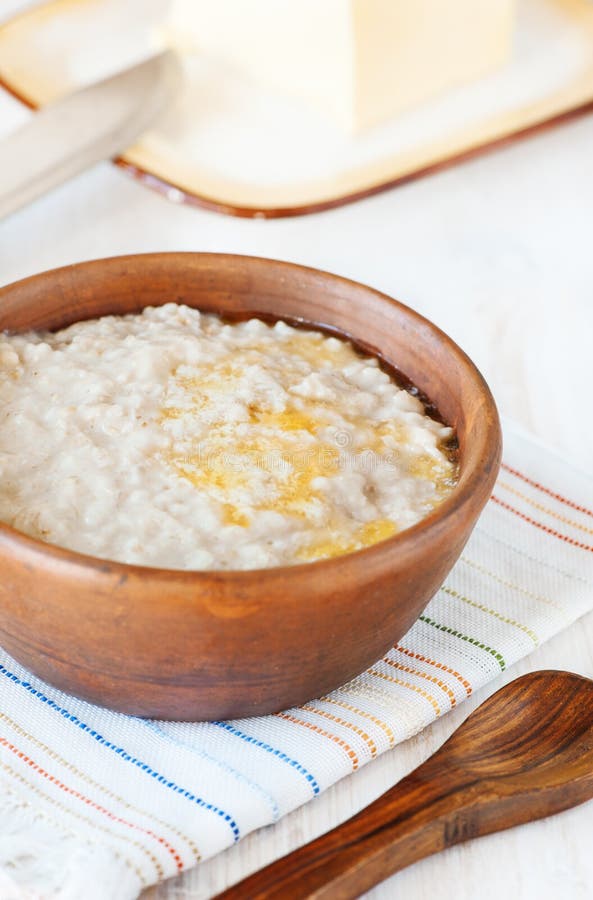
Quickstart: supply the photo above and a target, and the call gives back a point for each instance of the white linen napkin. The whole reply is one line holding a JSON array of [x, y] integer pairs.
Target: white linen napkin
[[97, 804]]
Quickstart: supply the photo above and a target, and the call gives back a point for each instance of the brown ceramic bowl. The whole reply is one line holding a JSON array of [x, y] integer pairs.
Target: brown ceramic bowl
[[203, 645]]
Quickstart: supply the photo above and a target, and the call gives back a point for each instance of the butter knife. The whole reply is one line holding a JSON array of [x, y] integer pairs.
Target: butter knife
[[83, 128]]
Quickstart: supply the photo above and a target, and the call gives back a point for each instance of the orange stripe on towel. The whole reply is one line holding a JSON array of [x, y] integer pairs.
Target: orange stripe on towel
[[431, 662], [545, 509], [546, 528], [339, 721], [101, 787], [367, 715], [332, 737], [545, 490], [58, 824], [432, 678], [411, 687], [88, 802]]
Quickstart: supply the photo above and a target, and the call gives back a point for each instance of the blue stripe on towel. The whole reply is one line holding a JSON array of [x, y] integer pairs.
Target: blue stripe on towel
[[230, 770], [123, 754], [273, 750]]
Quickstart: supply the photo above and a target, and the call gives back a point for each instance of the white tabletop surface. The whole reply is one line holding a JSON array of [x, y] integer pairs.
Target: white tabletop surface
[[499, 253]]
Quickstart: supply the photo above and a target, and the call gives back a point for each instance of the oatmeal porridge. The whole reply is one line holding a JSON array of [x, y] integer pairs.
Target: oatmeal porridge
[[172, 438]]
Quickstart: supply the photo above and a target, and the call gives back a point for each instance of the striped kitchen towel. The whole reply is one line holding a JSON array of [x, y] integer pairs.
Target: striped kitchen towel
[[99, 805]]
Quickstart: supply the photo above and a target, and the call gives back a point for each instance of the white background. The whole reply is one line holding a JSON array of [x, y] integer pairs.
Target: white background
[[499, 253]]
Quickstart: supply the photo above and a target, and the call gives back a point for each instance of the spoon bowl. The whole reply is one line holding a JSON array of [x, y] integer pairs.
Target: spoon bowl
[[538, 722]]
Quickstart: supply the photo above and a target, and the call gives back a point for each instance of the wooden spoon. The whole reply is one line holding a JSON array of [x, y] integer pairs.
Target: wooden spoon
[[526, 753]]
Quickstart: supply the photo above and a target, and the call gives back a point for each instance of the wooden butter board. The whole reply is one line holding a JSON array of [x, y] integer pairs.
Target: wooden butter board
[[228, 146]]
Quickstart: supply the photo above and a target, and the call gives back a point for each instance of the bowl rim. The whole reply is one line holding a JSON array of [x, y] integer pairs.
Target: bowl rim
[[404, 542]]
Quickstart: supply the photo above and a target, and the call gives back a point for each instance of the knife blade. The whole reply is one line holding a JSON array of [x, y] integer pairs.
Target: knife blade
[[83, 128]]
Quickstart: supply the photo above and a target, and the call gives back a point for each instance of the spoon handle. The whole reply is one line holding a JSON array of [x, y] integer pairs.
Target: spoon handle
[[439, 804], [427, 811]]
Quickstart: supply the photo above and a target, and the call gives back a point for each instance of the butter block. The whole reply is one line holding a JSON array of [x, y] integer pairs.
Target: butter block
[[357, 61]]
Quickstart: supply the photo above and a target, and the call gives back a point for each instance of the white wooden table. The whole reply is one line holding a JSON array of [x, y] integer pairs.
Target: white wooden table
[[499, 252]]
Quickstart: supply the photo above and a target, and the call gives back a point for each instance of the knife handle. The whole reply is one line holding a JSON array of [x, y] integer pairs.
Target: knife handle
[[93, 124]]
